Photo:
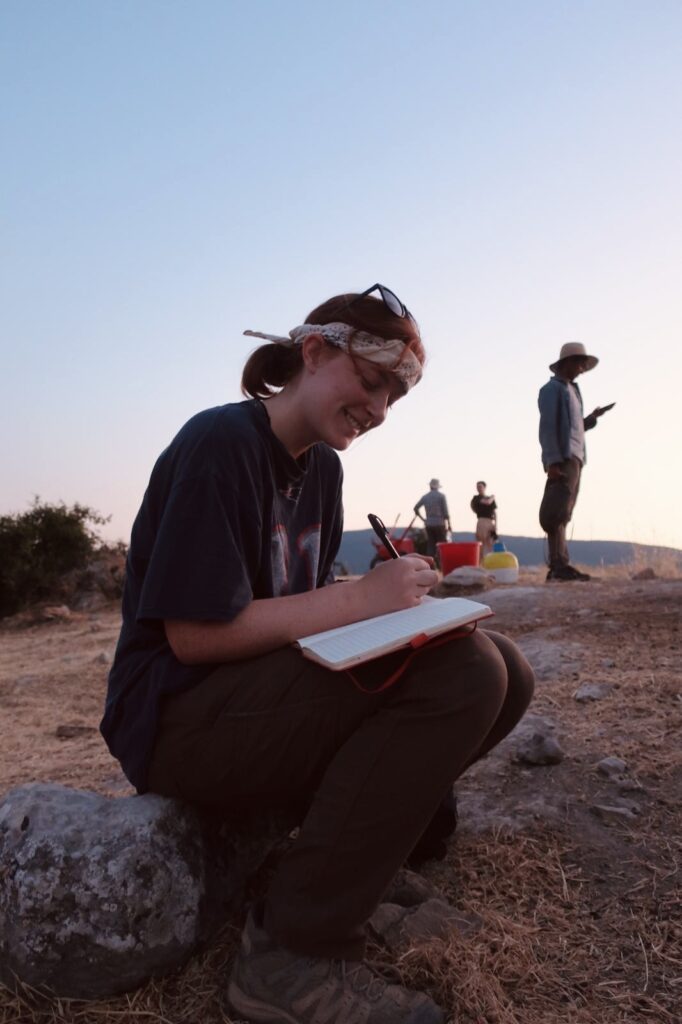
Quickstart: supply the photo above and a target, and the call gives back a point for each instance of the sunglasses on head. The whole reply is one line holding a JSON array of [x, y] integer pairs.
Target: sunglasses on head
[[389, 299]]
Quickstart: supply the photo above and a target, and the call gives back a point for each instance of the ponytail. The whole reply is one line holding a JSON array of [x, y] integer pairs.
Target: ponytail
[[269, 368]]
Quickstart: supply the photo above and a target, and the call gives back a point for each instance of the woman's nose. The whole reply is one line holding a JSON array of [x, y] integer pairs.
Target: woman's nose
[[378, 407]]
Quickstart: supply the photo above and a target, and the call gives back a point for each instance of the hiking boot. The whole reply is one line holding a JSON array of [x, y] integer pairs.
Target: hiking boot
[[271, 985], [566, 573], [578, 575]]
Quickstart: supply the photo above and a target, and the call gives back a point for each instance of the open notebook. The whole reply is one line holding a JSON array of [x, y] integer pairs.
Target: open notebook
[[350, 645]]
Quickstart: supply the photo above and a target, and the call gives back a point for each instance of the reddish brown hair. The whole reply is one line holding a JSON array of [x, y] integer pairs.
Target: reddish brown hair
[[371, 315], [271, 366], [268, 368]]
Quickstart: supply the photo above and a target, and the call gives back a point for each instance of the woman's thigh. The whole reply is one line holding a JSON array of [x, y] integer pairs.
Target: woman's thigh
[[264, 728]]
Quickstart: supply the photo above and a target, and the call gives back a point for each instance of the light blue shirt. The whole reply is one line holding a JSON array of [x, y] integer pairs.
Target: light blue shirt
[[576, 437], [555, 401], [435, 506]]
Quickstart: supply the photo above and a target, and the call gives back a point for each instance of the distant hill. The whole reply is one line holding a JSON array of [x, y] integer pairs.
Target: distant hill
[[356, 550]]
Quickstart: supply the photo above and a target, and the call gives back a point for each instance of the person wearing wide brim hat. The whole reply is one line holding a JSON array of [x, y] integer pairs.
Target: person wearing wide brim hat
[[574, 350], [436, 517], [562, 440]]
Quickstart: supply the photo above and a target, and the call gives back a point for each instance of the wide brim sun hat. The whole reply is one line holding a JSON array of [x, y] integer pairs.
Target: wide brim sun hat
[[574, 348]]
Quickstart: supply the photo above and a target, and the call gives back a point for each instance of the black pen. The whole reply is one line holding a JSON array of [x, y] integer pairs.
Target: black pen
[[382, 534]]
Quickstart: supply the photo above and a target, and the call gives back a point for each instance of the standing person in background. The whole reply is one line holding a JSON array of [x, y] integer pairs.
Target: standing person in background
[[485, 507], [562, 439], [437, 518]]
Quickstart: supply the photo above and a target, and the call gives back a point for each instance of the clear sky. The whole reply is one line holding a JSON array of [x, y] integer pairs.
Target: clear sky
[[176, 172]]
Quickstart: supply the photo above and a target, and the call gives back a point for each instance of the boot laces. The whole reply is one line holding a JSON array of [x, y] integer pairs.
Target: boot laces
[[362, 979]]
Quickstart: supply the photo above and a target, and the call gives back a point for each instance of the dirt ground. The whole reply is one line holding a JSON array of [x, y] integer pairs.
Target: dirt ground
[[574, 873]]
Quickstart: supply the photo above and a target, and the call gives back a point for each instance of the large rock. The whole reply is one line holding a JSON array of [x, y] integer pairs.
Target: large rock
[[551, 658], [399, 928], [99, 894], [463, 581], [534, 741]]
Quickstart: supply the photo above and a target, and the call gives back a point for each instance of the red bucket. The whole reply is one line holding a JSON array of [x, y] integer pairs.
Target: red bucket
[[453, 555]]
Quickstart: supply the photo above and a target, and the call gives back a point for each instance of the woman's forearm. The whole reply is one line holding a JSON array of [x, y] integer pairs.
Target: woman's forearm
[[265, 625], [269, 623]]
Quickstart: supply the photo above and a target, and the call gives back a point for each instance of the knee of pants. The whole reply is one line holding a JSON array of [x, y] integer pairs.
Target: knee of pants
[[555, 507], [520, 675], [521, 686], [552, 518], [466, 674]]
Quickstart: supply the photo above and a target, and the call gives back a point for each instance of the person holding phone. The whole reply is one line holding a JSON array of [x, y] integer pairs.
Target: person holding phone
[[562, 440]]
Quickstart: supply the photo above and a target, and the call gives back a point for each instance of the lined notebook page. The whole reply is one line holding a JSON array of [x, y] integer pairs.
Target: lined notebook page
[[387, 632]]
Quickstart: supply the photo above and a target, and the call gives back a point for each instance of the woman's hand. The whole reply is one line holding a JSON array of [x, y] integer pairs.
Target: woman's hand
[[398, 583]]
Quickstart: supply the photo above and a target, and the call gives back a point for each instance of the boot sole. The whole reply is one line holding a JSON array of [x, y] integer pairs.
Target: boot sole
[[255, 1011]]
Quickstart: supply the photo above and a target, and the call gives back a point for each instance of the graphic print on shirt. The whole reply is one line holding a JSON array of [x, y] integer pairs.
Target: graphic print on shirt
[[279, 559], [288, 563], [308, 545]]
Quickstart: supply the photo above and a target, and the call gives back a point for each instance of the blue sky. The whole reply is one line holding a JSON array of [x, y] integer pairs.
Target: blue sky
[[174, 173]]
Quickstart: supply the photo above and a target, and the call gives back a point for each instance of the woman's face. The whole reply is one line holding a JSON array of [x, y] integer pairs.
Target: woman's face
[[348, 396]]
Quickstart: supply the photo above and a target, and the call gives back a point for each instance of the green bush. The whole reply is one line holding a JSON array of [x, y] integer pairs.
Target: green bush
[[37, 547]]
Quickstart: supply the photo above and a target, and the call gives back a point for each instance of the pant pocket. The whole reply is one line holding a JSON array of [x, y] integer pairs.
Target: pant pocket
[[555, 505], [270, 757]]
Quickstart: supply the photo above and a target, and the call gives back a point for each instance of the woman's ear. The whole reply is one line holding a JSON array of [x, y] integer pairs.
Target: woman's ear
[[313, 351]]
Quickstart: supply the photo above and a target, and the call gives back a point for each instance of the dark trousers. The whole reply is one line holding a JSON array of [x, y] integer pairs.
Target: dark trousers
[[372, 768], [434, 535], [556, 510]]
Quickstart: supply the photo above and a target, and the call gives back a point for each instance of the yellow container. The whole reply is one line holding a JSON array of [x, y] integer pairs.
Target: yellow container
[[502, 565]]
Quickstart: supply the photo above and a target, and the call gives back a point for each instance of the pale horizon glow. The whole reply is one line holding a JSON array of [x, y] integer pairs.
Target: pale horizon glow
[[175, 174]]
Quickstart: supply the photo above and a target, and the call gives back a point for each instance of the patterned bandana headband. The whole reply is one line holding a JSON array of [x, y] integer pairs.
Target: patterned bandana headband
[[393, 355]]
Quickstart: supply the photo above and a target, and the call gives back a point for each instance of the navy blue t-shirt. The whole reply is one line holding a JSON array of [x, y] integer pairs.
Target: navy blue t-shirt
[[229, 516]]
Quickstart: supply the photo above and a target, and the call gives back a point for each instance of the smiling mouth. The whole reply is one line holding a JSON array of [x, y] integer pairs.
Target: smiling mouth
[[355, 424]]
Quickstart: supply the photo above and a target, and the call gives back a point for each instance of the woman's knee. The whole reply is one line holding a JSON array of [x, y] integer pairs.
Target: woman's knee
[[520, 675], [465, 673], [489, 673]]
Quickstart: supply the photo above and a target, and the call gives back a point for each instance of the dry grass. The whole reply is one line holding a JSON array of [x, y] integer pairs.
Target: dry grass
[[573, 932], [190, 996], [662, 562], [549, 950]]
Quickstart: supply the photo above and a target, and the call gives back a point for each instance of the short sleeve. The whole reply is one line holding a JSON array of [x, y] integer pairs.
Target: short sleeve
[[204, 555]]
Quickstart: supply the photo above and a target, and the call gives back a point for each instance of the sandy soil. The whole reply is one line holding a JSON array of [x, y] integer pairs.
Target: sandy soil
[[618, 874]]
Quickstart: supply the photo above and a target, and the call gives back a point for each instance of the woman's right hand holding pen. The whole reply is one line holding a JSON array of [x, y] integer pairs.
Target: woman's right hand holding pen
[[397, 583]]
